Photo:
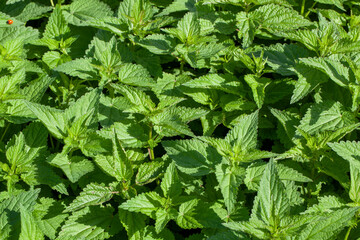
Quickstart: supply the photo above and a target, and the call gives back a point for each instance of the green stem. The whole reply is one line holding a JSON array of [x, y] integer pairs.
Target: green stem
[[3, 135], [52, 142], [9, 186], [52, 3], [308, 12], [348, 233], [303, 7], [182, 66], [150, 148]]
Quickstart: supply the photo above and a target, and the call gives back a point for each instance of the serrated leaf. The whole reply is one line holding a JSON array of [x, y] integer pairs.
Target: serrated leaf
[[328, 226], [81, 11], [338, 3], [350, 151], [170, 184], [243, 137], [92, 194], [192, 156], [148, 172], [147, 203], [257, 86], [81, 68], [229, 181], [129, 133], [271, 203], [57, 27], [157, 43], [48, 216], [186, 216], [135, 75], [177, 6], [122, 163], [225, 82], [334, 69], [90, 223], [354, 192], [74, 167], [29, 229], [134, 223], [163, 216], [309, 80], [140, 101], [255, 171], [84, 105], [283, 57], [10, 212], [326, 116], [276, 18], [53, 119]]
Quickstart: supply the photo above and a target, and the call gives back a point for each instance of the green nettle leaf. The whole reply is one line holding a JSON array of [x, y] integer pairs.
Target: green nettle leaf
[[146, 203], [134, 224], [81, 11], [81, 68], [140, 101], [354, 193], [326, 116], [122, 163], [309, 80], [229, 181], [226, 83], [12, 206], [268, 18], [255, 171], [29, 229], [135, 75], [338, 3], [92, 194], [247, 28], [243, 137], [192, 156], [163, 216], [73, 167], [328, 226], [185, 218], [170, 184], [93, 222], [188, 29], [271, 203], [57, 27], [257, 86], [282, 58], [49, 216], [149, 172], [350, 151], [334, 69], [53, 119], [157, 43], [276, 18]]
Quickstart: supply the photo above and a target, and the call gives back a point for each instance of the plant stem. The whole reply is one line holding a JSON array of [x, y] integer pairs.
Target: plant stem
[[150, 148], [9, 186], [3, 135], [52, 3], [308, 12], [52, 142], [348, 233], [303, 7], [182, 66]]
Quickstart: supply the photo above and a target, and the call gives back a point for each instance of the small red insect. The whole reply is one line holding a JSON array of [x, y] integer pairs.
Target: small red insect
[[10, 21]]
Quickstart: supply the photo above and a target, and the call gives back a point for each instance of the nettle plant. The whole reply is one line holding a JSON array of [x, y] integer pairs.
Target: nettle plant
[[184, 119]]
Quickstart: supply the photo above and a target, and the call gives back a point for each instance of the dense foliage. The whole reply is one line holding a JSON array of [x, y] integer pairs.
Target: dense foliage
[[184, 119]]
